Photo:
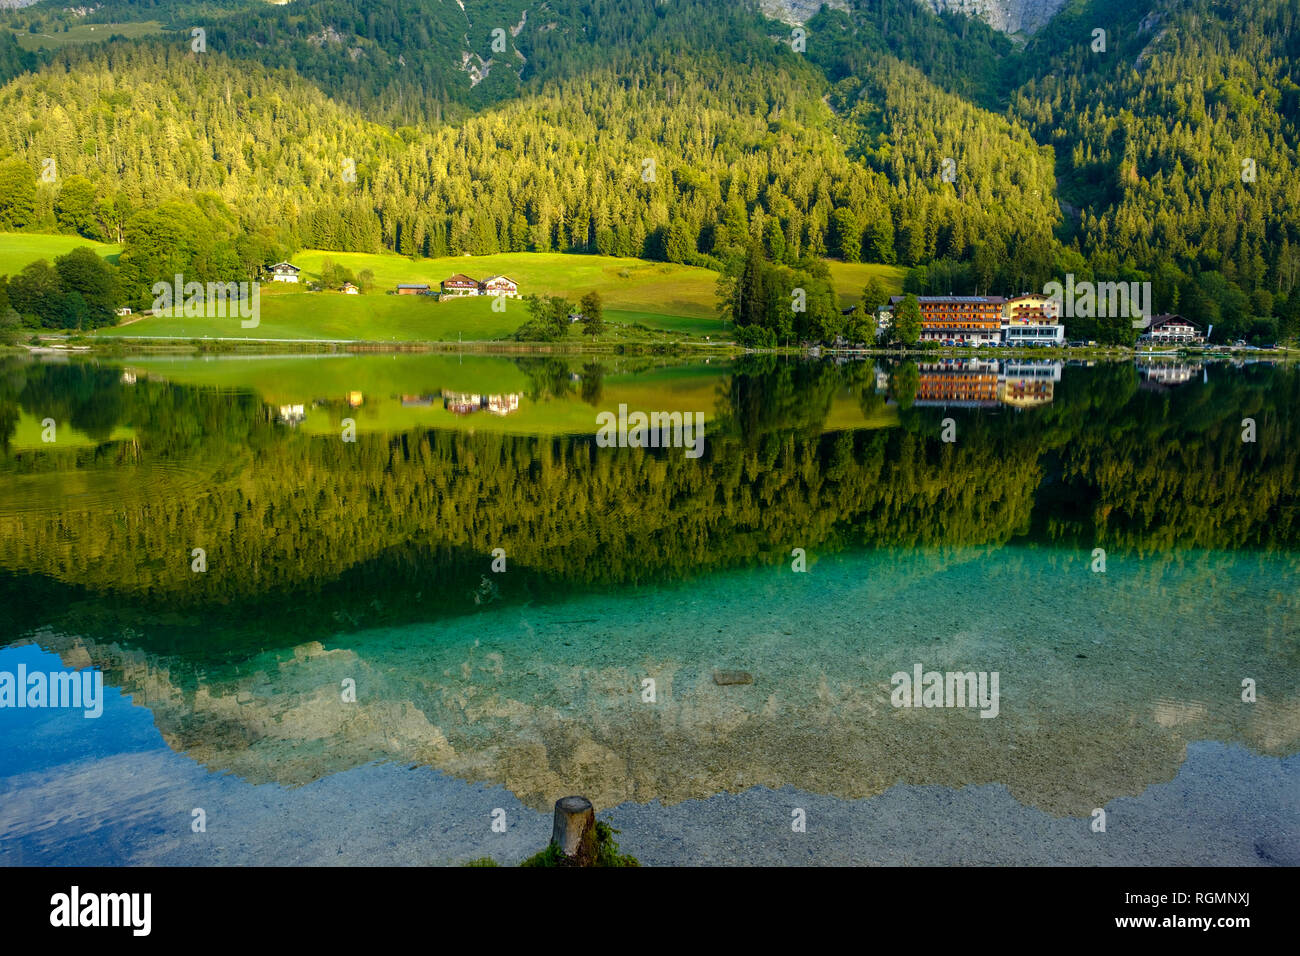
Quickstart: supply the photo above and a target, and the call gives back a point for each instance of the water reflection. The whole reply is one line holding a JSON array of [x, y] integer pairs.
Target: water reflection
[[373, 559]]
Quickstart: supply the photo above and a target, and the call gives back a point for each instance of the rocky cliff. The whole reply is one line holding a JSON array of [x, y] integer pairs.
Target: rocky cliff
[[1009, 16]]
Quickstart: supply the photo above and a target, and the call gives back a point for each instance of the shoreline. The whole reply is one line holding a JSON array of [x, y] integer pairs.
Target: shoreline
[[242, 345]]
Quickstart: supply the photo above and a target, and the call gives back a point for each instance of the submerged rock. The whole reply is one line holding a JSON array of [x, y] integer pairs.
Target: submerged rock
[[723, 678]]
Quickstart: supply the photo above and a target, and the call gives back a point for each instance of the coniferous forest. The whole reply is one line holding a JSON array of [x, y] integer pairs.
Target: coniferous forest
[[216, 140]]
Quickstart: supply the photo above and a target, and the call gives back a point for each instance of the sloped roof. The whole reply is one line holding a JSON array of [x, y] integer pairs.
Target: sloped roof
[[952, 299], [1159, 320]]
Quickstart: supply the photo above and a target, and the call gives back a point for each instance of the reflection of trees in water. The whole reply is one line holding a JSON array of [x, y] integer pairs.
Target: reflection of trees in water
[[904, 380], [548, 378], [84, 397], [770, 394], [1104, 465], [168, 419], [13, 379], [593, 383]]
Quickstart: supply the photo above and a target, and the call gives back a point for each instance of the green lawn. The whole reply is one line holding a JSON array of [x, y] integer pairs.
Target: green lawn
[[661, 288], [17, 249], [685, 325], [625, 285], [390, 318], [668, 298], [851, 278], [86, 33], [293, 314]]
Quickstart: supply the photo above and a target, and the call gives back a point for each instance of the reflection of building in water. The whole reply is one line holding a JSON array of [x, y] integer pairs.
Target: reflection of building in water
[[417, 401], [972, 383], [461, 403], [986, 383], [128, 377], [1167, 374], [292, 415], [502, 404], [1025, 384], [466, 403]]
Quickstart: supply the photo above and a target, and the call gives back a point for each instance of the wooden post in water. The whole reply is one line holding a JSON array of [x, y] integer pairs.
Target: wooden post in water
[[575, 830]]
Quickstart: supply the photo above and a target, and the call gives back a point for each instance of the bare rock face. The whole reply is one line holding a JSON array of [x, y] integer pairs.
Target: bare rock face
[[797, 11], [726, 678], [1008, 16]]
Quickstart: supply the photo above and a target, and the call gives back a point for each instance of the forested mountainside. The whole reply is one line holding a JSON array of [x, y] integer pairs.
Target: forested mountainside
[[1127, 140]]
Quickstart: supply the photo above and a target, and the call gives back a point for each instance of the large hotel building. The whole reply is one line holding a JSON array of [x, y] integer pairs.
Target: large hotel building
[[987, 319]]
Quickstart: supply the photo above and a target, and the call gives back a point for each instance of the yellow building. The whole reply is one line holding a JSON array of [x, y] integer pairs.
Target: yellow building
[[1028, 309]]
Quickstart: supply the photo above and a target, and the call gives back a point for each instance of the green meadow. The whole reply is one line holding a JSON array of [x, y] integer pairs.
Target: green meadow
[[626, 285], [377, 317], [86, 33], [851, 278], [667, 299], [661, 288], [17, 249], [294, 314], [663, 297]]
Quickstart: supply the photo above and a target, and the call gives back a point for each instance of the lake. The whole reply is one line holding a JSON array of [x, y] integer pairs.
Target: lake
[[388, 608]]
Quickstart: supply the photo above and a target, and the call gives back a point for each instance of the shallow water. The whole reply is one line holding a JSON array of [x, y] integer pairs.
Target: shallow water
[[371, 562]]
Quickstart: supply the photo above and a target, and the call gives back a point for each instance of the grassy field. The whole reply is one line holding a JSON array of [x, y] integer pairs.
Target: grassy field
[[86, 33], [332, 315], [390, 318], [674, 299], [851, 278], [662, 288], [670, 299], [17, 249], [626, 285]]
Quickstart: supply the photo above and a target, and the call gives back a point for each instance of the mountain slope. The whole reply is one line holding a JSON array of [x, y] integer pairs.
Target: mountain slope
[[685, 131]]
